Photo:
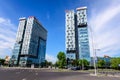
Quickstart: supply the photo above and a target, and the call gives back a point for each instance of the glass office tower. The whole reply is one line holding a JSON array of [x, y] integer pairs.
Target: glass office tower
[[30, 46], [83, 39], [77, 40]]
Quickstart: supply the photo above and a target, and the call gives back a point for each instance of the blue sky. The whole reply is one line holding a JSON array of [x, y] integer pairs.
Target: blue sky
[[103, 18]]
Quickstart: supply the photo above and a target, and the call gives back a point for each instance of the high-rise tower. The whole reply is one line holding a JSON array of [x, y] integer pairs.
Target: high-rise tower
[[77, 40], [30, 46], [83, 39], [70, 34]]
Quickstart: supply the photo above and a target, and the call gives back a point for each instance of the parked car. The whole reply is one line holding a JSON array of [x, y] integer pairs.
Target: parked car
[[75, 68]]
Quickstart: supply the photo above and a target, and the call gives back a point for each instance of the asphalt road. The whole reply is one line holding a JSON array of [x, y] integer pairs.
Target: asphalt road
[[35, 74]]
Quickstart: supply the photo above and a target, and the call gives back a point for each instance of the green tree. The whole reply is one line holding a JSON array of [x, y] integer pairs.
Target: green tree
[[82, 62], [75, 62], [56, 64], [100, 63], [2, 61], [49, 63], [115, 62], [46, 63], [61, 59]]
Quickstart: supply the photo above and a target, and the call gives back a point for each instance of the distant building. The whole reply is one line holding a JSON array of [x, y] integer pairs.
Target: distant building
[[77, 39], [30, 45], [105, 58]]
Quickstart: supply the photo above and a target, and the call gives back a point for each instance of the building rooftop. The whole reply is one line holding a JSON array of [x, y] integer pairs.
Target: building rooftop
[[37, 21], [69, 11], [80, 8], [22, 18]]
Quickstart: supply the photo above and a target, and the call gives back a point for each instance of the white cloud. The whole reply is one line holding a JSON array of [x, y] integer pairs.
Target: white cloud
[[106, 29], [2, 20], [100, 19], [51, 58], [7, 36]]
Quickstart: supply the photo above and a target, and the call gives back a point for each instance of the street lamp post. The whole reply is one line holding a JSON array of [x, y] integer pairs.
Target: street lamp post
[[95, 62], [95, 59], [94, 50]]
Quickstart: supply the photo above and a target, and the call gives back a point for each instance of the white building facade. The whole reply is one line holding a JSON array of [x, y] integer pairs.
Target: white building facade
[[70, 34]]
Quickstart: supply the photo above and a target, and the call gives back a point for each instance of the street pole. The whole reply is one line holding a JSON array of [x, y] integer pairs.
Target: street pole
[[94, 51], [95, 62]]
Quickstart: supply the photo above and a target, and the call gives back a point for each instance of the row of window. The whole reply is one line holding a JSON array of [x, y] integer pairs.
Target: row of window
[[83, 32], [69, 31], [84, 45], [70, 17], [82, 29], [70, 42], [81, 15], [70, 39], [86, 35], [71, 56], [70, 48], [84, 48], [70, 36], [81, 12], [83, 39], [81, 22], [70, 28]]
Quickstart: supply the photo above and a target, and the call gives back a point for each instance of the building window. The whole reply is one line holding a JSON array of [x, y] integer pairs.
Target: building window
[[68, 27], [68, 39], [82, 12]]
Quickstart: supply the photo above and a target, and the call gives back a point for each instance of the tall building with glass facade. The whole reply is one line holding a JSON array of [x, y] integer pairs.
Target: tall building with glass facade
[[83, 39], [76, 23], [30, 45]]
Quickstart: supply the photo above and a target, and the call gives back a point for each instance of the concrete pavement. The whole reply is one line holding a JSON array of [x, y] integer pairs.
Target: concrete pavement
[[45, 74]]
